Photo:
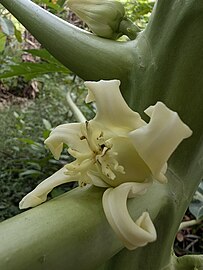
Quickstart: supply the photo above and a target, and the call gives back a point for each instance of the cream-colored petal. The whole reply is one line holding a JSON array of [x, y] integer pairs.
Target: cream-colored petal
[[39, 194], [96, 179], [69, 134], [132, 234], [113, 112], [156, 141], [135, 168], [90, 96]]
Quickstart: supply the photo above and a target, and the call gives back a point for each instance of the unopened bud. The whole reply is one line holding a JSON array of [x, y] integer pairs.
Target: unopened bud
[[102, 17]]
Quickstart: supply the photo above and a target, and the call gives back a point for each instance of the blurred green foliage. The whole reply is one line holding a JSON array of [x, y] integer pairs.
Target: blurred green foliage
[[7, 29], [24, 159], [138, 11], [29, 70]]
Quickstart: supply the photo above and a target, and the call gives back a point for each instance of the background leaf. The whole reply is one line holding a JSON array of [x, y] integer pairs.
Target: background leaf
[[18, 34], [45, 55], [2, 41], [32, 70], [196, 206], [30, 172], [47, 124], [7, 26]]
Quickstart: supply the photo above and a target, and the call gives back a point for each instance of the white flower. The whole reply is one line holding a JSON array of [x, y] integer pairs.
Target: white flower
[[119, 151]]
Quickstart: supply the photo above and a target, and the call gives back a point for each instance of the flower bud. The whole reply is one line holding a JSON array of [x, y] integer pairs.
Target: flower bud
[[102, 17]]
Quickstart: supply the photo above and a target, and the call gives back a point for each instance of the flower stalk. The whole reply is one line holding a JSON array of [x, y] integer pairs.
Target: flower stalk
[[75, 110], [128, 28]]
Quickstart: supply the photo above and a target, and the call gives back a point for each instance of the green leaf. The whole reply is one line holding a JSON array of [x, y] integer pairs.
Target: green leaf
[[37, 147], [7, 26], [16, 115], [61, 2], [30, 172], [46, 134], [2, 41], [196, 208], [32, 70], [25, 140], [47, 124], [34, 165], [18, 34], [45, 55]]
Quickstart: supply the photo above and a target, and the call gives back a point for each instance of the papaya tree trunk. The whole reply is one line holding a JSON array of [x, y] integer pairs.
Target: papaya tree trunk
[[165, 63]]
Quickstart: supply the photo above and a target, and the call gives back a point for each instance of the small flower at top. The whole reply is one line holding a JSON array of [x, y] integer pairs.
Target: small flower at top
[[105, 18]]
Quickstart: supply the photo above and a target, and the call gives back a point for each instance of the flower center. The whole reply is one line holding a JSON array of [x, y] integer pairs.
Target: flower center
[[99, 156]]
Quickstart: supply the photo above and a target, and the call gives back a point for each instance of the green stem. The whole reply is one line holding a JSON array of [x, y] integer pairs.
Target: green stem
[[69, 232], [87, 55], [128, 28], [74, 108], [189, 223], [187, 262]]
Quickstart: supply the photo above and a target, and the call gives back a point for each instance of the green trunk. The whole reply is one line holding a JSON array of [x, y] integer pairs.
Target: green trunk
[[164, 63]]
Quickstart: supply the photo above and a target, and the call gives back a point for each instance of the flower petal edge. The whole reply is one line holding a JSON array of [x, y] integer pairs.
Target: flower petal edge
[[132, 234]]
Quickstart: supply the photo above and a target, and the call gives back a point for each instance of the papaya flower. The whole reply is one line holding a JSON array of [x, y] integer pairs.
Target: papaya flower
[[106, 18], [102, 17], [119, 151]]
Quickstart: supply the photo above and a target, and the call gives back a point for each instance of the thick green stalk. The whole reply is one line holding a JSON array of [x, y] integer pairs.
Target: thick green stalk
[[187, 262], [171, 61], [164, 63], [87, 55], [68, 233], [170, 57]]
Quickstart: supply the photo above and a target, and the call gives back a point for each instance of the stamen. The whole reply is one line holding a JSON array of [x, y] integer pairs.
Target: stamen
[[99, 154], [80, 166], [79, 155], [105, 149]]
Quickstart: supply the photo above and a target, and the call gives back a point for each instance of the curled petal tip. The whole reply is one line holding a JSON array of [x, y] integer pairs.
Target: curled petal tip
[[39, 194], [161, 178], [112, 109], [145, 233], [30, 201], [132, 234], [56, 150], [156, 141], [92, 85], [145, 223]]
